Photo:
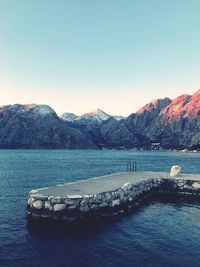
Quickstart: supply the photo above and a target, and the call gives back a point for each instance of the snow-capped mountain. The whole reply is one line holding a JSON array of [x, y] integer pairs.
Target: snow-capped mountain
[[96, 115]]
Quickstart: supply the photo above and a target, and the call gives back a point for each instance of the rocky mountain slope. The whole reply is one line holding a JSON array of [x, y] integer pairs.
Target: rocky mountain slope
[[168, 123], [37, 126]]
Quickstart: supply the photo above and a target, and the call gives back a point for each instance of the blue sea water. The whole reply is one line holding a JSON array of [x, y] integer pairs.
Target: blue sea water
[[162, 233]]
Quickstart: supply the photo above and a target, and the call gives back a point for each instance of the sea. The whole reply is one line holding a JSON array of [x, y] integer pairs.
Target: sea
[[161, 233]]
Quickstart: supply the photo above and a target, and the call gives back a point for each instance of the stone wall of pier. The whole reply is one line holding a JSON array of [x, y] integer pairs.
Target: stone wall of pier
[[180, 186], [78, 208], [75, 208]]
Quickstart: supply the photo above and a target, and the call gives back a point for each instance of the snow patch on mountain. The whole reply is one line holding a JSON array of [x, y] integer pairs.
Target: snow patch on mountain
[[96, 114], [67, 116], [30, 108], [118, 117], [40, 109]]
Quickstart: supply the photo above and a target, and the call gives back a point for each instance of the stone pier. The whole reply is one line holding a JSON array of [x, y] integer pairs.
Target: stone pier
[[105, 196]]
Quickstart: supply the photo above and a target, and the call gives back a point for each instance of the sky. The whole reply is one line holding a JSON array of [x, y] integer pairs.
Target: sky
[[117, 55]]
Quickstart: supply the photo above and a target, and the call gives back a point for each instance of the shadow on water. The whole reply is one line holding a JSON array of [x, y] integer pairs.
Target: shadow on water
[[41, 229], [179, 200]]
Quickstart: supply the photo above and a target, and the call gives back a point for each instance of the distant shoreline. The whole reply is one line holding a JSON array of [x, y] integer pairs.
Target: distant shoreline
[[116, 149]]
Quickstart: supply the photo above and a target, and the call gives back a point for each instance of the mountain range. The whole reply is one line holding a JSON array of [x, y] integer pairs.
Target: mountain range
[[166, 123]]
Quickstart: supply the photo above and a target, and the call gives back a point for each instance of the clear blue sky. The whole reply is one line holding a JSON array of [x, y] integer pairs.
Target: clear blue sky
[[112, 54]]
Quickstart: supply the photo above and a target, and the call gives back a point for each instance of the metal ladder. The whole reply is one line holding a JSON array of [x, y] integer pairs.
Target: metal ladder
[[131, 166]]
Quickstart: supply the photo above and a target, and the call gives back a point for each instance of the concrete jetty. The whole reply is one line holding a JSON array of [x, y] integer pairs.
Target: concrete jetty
[[105, 196]]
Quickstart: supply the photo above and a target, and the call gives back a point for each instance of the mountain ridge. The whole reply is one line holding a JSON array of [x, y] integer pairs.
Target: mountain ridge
[[170, 124]]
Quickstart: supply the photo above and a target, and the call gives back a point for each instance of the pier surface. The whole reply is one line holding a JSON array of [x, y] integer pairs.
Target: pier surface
[[108, 183]]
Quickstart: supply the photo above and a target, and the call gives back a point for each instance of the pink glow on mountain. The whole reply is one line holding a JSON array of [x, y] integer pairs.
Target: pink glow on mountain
[[185, 106]]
